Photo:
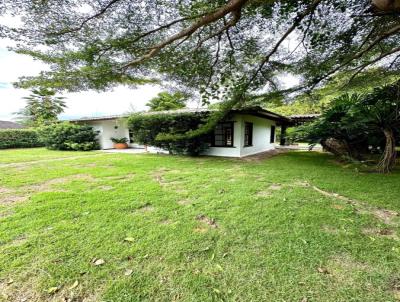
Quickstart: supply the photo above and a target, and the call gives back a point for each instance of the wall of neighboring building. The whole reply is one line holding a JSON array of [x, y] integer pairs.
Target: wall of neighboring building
[[107, 129], [261, 135]]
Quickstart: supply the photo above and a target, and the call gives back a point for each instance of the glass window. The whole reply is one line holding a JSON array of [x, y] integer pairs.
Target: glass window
[[248, 134], [223, 135]]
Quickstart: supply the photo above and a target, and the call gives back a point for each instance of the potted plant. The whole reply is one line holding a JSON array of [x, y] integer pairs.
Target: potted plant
[[120, 143]]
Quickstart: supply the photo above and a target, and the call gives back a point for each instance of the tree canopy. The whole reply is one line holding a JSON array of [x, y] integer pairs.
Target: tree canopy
[[42, 107], [224, 48], [168, 101]]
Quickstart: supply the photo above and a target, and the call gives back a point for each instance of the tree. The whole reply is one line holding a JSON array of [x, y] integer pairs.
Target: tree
[[380, 111], [230, 50], [355, 122], [167, 101], [203, 43], [42, 107]]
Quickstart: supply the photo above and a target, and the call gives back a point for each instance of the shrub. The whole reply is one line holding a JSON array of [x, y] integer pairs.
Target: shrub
[[67, 136], [19, 138], [168, 131]]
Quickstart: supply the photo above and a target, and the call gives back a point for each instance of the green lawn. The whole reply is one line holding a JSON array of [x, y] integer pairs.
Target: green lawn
[[296, 227]]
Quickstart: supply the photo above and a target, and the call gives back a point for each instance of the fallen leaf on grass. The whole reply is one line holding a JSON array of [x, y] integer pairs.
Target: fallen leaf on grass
[[52, 290], [98, 262], [323, 270], [128, 272], [76, 283], [129, 239], [219, 267], [10, 281]]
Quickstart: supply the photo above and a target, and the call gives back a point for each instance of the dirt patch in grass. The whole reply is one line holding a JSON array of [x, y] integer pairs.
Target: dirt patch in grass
[[263, 156], [166, 221], [10, 199], [201, 230], [185, 202], [146, 208], [207, 220], [330, 230], [344, 269], [12, 291], [338, 207], [275, 187], [264, 194], [394, 287], [106, 188], [5, 214], [4, 190], [48, 185], [121, 177], [270, 190], [158, 176], [383, 233]]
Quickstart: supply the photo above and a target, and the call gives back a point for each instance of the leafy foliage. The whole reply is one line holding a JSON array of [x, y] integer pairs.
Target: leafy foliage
[[359, 123], [167, 131], [168, 101], [215, 46], [42, 107], [19, 138], [119, 140], [68, 136]]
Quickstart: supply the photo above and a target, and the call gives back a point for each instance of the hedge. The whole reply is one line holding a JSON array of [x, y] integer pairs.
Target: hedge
[[68, 136], [19, 138], [170, 131]]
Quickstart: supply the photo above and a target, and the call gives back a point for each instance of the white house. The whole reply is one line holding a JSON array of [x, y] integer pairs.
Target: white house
[[241, 133]]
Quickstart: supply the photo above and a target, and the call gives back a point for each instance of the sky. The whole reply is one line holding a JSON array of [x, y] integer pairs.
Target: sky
[[86, 103]]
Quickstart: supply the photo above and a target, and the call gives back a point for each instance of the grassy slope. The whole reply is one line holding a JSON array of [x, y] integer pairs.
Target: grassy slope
[[268, 245]]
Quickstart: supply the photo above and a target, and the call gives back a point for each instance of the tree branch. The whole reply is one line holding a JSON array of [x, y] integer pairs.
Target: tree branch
[[83, 23], [365, 65], [296, 22], [358, 55], [231, 6]]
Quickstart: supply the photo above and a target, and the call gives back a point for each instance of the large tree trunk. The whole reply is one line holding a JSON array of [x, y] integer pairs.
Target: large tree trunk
[[392, 6], [337, 147], [388, 160]]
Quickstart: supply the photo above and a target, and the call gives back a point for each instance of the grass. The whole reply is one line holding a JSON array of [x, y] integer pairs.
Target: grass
[[173, 228]]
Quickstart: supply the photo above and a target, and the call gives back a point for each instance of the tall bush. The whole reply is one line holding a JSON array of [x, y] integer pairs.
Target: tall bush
[[68, 136], [168, 131], [19, 138]]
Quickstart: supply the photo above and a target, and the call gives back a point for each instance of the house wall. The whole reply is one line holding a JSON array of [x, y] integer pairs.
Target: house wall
[[261, 135], [237, 141], [107, 129]]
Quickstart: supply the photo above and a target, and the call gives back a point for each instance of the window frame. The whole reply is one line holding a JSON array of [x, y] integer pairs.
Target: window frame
[[248, 127], [224, 134], [272, 138]]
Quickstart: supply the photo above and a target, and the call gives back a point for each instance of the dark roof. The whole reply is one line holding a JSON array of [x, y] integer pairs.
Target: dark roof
[[10, 125], [257, 111], [299, 119]]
